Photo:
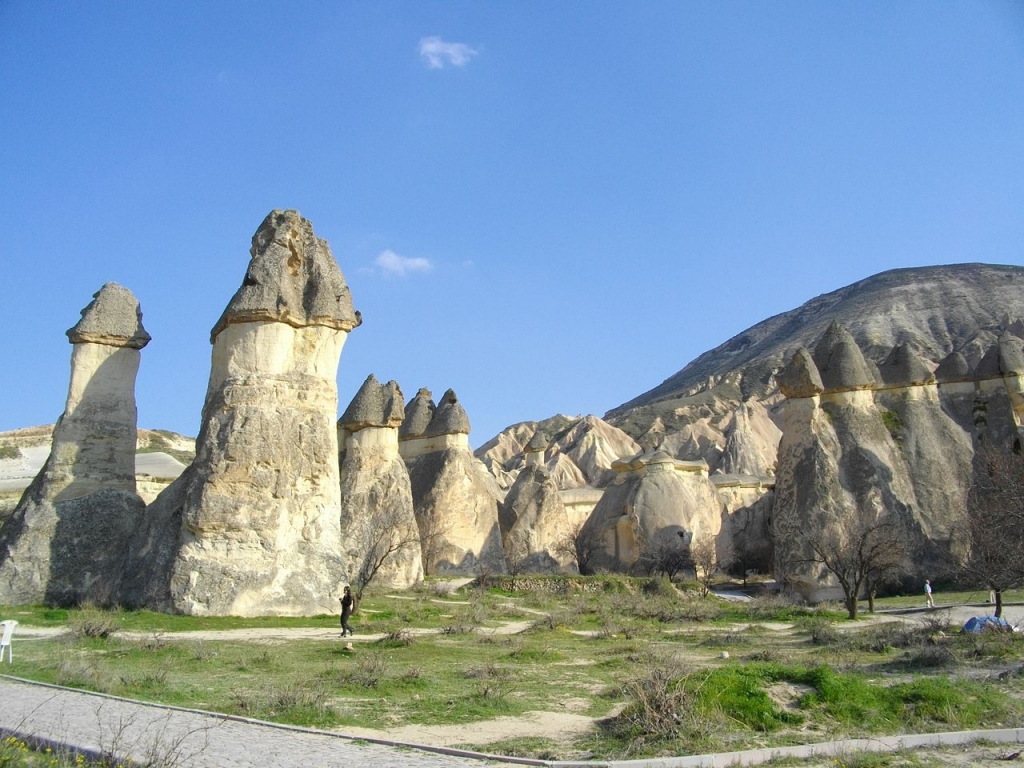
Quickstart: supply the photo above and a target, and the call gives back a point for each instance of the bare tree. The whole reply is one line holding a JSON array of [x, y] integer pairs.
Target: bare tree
[[517, 551], [666, 554], [386, 535], [994, 534], [709, 557], [579, 545], [434, 540], [865, 551]]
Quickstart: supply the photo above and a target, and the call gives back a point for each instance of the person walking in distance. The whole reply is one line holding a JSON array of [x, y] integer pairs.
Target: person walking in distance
[[927, 593], [347, 602]]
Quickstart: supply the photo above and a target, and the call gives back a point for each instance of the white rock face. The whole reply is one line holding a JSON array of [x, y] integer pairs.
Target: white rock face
[[455, 498], [66, 540], [377, 511], [534, 522], [380, 537], [656, 501], [580, 453], [457, 512], [252, 527]]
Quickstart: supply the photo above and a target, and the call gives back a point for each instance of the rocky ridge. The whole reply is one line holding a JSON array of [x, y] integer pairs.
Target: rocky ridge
[[937, 312]]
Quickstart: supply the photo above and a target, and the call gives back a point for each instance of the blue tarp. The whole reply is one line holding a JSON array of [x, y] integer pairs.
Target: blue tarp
[[981, 623]]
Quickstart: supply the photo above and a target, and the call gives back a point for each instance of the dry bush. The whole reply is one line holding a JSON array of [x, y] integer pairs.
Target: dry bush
[[700, 610], [562, 617], [725, 639], [154, 679], [821, 630], [274, 701], [91, 622], [370, 669], [153, 642], [201, 652], [458, 628], [74, 671], [768, 607], [397, 638], [661, 706], [487, 672]]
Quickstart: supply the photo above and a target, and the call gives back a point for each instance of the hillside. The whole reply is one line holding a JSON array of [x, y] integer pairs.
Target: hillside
[[729, 392], [936, 310], [161, 456]]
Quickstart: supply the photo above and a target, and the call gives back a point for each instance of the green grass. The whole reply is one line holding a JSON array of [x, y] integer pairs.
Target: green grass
[[599, 647]]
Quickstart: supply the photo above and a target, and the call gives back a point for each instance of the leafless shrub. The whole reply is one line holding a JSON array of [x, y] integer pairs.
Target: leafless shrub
[[155, 641], [579, 546], [91, 622], [370, 669], [767, 607], [662, 705], [821, 631], [699, 610], [153, 679], [274, 701], [397, 637], [494, 689], [768, 655], [562, 617], [201, 652], [725, 639], [74, 671], [487, 672], [458, 628], [709, 557]]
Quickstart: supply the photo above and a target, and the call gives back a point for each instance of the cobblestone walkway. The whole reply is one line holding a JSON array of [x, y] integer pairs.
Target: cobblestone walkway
[[185, 739]]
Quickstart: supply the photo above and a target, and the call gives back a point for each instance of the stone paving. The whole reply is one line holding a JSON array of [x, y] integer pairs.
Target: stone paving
[[184, 738]]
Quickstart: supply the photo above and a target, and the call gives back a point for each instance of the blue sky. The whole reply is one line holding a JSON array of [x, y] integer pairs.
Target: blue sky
[[550, 207]]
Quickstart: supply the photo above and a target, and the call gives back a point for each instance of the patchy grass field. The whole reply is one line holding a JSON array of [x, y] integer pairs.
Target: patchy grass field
[[660, 671]]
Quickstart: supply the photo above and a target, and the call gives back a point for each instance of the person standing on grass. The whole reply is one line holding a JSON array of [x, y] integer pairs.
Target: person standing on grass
[[347, 602], [927, 593]]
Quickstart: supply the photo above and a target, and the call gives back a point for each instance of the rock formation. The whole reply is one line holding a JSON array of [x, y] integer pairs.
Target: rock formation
[[939, 310], [380, 540], [655, 504], [533, 518], [252, 527], [860, 447], [580, 451], [456, 500], [66, 540]]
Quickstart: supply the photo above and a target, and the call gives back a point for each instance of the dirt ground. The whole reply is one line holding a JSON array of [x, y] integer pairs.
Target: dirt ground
[[562, 726]]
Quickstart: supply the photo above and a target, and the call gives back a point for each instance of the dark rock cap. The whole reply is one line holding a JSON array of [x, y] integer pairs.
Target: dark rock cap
[[539, 442], [292, 278], [840, 361], [418, 413], [394, 405], [450, 418], [988, 366], [375, 405], [800, 378], [1011, 355], [904, 368], [113, 317], [953, 368]]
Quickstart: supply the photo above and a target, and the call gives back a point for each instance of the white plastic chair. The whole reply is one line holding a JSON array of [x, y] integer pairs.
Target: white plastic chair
[[5, 641]]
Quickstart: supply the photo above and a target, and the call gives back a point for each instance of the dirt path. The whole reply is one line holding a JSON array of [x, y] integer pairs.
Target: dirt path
[[560, 727]]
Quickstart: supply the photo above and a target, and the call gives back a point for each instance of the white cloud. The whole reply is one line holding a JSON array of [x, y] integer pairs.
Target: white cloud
[[436, 53], [391, 264]]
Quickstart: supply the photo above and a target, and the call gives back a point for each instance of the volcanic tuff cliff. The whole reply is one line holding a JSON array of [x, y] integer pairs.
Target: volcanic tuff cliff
[[933, 310], [723, 406]]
